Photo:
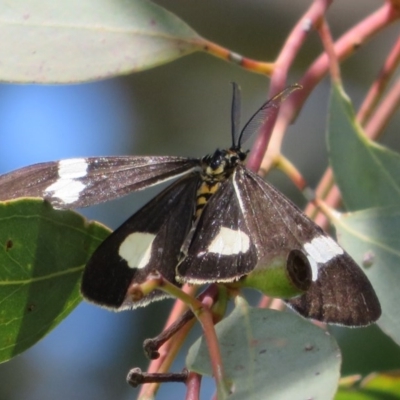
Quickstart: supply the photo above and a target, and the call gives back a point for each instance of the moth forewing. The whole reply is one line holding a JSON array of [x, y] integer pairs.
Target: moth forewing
[[220, 249], [81, 182], [148, 241]]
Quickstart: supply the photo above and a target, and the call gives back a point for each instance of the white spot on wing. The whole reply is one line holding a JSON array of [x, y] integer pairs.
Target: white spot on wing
[[72, 168], [321, 250], [136, 249], [67, 188], [229, 242], [314, 268]]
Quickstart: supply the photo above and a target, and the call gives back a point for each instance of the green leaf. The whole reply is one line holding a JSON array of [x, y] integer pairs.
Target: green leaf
[[42, 255], [274, 276], [382, 386], [367, 174], [272, 355], [74, 41], [372, 238]]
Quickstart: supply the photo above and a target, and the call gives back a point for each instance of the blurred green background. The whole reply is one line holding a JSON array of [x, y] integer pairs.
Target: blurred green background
[[181, 108]]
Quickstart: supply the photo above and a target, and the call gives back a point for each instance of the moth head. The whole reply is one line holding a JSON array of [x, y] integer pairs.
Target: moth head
[[221, 163]]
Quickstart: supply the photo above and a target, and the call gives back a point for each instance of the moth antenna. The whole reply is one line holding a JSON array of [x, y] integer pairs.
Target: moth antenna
[[235, 114], [264, 112]]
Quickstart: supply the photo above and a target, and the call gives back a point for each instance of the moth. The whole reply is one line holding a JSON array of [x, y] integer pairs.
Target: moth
[[215, 223]]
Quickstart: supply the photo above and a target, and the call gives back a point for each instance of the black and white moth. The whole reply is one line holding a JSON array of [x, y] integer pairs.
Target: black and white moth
[[216, 223]]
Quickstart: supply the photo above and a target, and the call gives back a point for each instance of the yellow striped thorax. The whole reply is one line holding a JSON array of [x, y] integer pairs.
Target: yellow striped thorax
[[216, 168]]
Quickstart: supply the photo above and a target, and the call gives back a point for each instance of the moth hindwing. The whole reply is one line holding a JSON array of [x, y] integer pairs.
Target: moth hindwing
[[219, 222]]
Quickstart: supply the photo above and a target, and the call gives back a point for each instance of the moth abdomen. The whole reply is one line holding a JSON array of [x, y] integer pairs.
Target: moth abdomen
[[203, 194]]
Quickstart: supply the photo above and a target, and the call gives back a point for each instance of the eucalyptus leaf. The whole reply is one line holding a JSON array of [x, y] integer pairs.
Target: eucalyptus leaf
[[376, 386], [45, 41], [42, 255], [269, 354], [372, 238], [367, 173]]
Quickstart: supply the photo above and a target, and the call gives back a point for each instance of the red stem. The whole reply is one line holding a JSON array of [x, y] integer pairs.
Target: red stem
[[344, 47], [385, 111], [329, 47], [193, 384], [378, 87], [279, 77]]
